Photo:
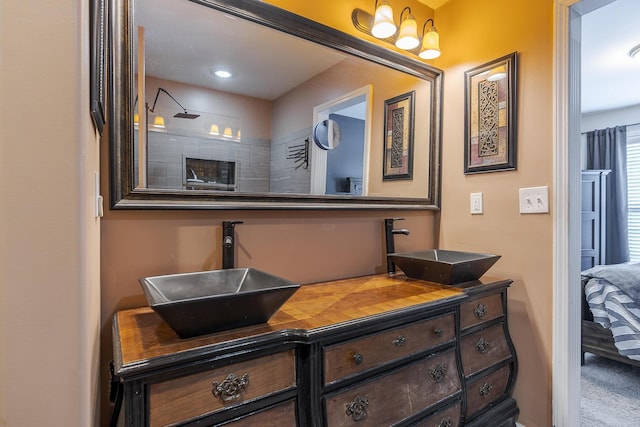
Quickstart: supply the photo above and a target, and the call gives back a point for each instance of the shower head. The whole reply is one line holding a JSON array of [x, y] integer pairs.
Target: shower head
[[186, 115], [183, 115]]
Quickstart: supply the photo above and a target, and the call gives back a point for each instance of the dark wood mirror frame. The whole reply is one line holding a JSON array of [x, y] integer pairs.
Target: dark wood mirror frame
[[123, 195]]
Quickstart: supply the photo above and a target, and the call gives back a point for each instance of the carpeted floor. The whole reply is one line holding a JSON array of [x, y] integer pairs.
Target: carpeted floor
[[610, 393]]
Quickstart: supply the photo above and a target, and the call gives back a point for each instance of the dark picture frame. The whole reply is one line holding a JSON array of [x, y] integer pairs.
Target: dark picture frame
[[398, 137], [98, 54], [490, 116]]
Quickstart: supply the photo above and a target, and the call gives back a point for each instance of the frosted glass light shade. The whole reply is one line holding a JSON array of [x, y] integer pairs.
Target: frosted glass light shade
[[408, 37], [158, 122], [214, 130], [430, 44], [227, 132], [136, 118], [383, 25]]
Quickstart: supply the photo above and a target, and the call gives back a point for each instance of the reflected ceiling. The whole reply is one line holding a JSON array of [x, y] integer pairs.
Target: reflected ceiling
[[173, 53]]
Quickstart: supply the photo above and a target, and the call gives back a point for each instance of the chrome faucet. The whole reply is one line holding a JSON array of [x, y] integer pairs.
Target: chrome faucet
[[228, 243], [389, 233]]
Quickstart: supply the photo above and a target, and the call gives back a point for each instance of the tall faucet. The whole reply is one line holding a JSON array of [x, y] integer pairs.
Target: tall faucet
[[228, 243], [389, 233]]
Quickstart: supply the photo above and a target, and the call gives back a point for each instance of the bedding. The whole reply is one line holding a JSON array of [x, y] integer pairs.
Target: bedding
[[613, 295]]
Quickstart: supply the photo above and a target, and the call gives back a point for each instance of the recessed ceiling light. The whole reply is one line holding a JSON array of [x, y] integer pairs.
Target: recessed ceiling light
[[635, 52], [222, 74]]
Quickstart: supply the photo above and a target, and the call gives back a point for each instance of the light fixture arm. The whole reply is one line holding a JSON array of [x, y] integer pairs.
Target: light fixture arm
[[174, 100], [424, 27], [405, 8]]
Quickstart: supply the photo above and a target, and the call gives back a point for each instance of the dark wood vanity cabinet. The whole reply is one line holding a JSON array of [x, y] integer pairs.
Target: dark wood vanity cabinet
[[489, 363], [368, 351]]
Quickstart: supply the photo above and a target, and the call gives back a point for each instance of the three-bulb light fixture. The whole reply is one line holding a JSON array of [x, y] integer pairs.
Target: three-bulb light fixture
[[384, 28]]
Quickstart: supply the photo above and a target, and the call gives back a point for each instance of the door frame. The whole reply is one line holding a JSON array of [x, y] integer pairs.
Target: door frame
[[566, 213]]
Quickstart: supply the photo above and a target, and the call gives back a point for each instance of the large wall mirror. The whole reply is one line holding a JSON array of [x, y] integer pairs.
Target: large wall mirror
[[228, 104]]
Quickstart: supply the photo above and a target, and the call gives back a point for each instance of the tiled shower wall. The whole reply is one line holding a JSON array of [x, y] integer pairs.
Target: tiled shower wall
[[166, 153], [284, 176]]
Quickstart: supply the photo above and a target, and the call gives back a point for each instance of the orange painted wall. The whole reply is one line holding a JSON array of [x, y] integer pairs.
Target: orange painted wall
[[472, 33]]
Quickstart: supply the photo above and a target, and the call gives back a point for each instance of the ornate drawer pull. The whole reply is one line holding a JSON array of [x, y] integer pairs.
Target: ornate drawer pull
[[400, 341], [445, 423], [231, 388], [485, 389], [438, 372], [358, 358], [358, 408], [482, 345], [480, 311], [438, 332]]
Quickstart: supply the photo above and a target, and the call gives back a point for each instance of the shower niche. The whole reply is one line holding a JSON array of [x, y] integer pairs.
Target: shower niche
[[205, 174]]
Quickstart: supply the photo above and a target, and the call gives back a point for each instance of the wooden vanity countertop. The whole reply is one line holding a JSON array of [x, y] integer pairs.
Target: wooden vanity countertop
[[143, 336]]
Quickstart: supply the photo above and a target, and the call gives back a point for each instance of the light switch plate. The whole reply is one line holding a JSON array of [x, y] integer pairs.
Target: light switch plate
[[99, 211], [534, 200], [476, 203]]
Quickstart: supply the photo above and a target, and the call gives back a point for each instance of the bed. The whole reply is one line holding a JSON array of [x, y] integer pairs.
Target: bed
[[611, 312]]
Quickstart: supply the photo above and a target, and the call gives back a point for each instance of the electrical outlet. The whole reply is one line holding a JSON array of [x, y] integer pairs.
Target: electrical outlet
[[534, 200], [476, 203]]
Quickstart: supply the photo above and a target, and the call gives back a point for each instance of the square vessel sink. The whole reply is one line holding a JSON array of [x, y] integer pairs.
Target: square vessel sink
[[210, 301], [442, 266]]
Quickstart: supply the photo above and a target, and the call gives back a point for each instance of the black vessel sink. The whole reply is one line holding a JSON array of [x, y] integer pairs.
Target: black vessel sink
[[210, 301], [443, 266]]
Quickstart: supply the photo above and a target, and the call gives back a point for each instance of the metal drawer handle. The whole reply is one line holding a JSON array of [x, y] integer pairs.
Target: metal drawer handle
[[485, 389], [438, 372], [400, 341], [358, 358], [231, 388], [445, 423], [482, 345], [358, 408], [480, 311], [438, 332]]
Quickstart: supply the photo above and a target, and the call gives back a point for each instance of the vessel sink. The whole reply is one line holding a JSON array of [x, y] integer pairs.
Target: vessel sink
[[210, 301], [443, 266]]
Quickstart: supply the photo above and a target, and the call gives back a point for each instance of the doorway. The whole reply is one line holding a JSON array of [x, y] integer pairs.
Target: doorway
[[351, 163], [566, 217]]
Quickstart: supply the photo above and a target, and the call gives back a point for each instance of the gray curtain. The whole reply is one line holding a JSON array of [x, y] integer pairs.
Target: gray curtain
[[607, 149]]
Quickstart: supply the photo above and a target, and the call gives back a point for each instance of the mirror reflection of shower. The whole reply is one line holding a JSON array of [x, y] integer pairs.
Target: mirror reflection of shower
[[212, 125]]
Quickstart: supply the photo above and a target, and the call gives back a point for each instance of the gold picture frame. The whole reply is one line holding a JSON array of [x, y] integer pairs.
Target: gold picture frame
[[490, 116], [398, 137]]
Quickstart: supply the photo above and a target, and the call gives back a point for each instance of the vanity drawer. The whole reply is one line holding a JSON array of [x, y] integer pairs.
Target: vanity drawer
[[395, 396], [448, 417], [282, 415], [198, 394], [484, 348], [485, 390], [480, 310], [358, 355]]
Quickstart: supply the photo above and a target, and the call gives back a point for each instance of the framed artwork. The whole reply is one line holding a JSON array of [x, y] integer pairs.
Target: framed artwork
[[98, 59], [490, 116], [398, 137]]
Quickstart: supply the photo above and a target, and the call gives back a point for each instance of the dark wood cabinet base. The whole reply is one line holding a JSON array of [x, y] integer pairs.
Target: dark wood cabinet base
[[367, 351]]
